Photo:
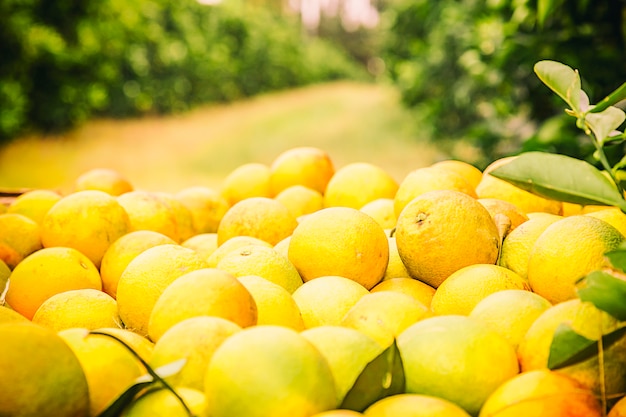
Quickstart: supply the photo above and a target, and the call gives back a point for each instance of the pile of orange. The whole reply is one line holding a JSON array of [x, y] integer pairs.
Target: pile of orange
[[281, 287]]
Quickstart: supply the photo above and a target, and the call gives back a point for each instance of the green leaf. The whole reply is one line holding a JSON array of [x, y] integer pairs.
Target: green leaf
[[127, 397], [603, 124], [382, 377], [606, 292], [615, 97], [545, 9], [617, 257], [569, 348], [564, 81], [561, 178]]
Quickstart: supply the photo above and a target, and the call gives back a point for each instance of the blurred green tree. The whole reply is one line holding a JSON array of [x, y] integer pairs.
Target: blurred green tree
[[466, 68]]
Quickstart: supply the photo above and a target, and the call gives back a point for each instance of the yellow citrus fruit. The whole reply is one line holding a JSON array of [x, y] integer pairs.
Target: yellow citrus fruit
[[103, 179], [19, 237], [193, 339], [41, 376], [86, 308], [5, 272], [338, 413], [160, 402], [122, 251], [274, 303], [414, 405], [541, 393], [384, 315], [395, 266], [456, 358], [566, 251], [207, 207], [347, 351], [47, 272], [303, 165], [34, 204], [89, 221], [204, 244], [510, 312], [282, 247], [8, 315], [203, 292], [146, 277], [268, 371], [149, 211], [517, 245], [260, 217], [110, 368], [300, 200], [325, 300], [613, 216], [496, 206], [262, 261], [442, 231], [422, 292], [423, 180], [182, 215], [232, 244], [588, 321], [340, 241], [246, 181], [465, 288], [469, 172], [492, 187], [382, 211], [357, 184]]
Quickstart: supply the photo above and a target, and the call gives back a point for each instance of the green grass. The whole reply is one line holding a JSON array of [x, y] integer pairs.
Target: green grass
[[353, 122]]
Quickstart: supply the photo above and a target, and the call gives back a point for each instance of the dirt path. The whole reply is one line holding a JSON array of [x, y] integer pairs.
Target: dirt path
[[353, 122]]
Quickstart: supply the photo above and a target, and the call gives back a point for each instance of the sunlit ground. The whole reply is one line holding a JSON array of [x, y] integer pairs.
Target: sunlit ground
[[352, 122]]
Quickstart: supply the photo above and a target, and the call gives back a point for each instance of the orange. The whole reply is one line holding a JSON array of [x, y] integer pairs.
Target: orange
[[260, 217], [301, 200], [268, 371], [194, 339], [417, 289], [384, 315], [469, 172], [613, 216], [206, 205], [395, 266], [19, 237], [501, 207], [149, 211], [47, 272], [541, 393], [203, 292], [422, 180], [182, 215], [588, 321], [87, 308], [161, 402], [414, 405], [34, 204], [103, 179], [357, 184], [325, 300], [382, 211], [303, 165], [456, 358], [204, 244], [122, 251], [245, 181], [465, 288], [262, 261], [619, 409], [275, 305], [41, 376], [566, 251], [234, 243], [89, 221], [340, 241], [442, 231]]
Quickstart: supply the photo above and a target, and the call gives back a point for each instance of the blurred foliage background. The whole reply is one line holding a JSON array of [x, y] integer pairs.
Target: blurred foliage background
[[463, 67]]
